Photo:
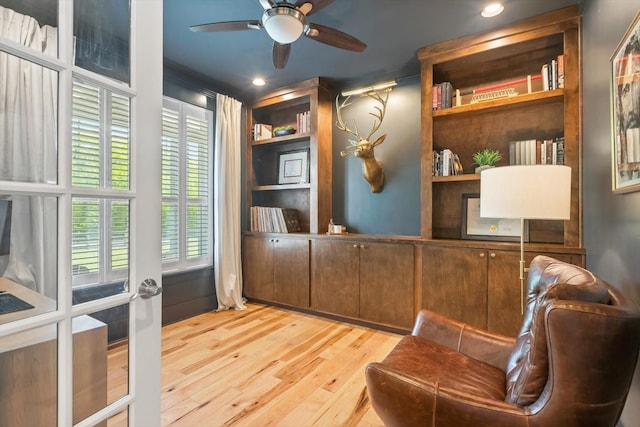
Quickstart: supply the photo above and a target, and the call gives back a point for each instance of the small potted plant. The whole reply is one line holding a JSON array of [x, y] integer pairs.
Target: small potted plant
[[486, 159]]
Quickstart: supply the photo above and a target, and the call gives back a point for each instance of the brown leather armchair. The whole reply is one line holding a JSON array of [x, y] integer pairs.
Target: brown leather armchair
[[571, 365]]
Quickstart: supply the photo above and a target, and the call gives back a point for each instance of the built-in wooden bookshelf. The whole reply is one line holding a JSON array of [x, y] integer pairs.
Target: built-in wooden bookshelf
[[510, 53], [311, 197]]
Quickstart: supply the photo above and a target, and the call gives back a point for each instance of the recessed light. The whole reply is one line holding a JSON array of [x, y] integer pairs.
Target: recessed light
[[492, 10], [258, 82]]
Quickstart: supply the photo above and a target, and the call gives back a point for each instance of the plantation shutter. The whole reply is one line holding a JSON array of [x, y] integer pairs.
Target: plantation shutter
[[197, 135], [170, 185]]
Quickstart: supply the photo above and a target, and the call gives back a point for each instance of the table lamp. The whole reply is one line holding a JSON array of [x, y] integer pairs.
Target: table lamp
[[525, 192]]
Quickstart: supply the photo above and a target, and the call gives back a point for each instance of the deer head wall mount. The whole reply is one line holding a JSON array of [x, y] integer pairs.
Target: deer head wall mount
[[363, 148]]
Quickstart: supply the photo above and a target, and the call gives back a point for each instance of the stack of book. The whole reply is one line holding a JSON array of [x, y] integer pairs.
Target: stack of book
[[262, 131], [274, 220], [537, 152], [446, 163], [303, 122], [442, 96], [553, 74]]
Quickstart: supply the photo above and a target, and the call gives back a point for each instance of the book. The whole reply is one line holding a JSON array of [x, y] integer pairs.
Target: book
[[560, 60], [545, 76], [262, 131], [274, 220]]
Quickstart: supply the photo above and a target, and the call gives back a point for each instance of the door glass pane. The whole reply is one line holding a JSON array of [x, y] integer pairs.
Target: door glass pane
[[100, 138], [32, 23], [28, 256], [121, 419], [101, 33], [28, 121], [28, 386], [100, 360], [100, 247]]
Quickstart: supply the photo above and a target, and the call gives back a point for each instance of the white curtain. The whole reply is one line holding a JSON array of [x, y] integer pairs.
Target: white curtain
[[28, 150], [227, 226]]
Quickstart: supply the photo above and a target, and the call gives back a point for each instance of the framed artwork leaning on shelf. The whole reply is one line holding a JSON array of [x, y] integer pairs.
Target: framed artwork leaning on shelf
[[625, 111], [476, 228], [293, 167]]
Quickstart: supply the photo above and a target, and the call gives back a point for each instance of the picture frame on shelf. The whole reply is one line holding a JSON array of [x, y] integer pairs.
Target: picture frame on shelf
[[625, 111], [293, 167], [476, 228]]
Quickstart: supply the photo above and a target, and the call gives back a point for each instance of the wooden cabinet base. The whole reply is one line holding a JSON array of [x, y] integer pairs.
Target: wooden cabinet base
[[28, 386]]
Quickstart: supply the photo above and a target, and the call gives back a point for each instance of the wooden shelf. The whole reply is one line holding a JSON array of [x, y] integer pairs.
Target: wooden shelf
[[279, 187], [456, 178], [527, 100], [294, 137]]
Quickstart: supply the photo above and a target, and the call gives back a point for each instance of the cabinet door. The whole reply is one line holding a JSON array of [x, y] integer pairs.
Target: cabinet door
[[504, 314], [503, 299], [387, 284], [455, 283], [258, 268], [334, 277], [291, 272]]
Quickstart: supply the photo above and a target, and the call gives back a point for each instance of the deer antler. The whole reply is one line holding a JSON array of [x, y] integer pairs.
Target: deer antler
[[341, 124], [381, 111]]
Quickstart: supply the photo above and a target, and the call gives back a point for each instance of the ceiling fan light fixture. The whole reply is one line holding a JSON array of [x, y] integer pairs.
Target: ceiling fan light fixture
[[283, 24]]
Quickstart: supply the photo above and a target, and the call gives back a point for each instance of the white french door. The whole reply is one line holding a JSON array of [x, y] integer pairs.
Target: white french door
[[80, 203]]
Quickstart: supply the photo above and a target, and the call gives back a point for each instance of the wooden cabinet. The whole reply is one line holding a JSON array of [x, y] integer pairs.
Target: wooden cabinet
[[455, 283], [387, 283], [368, 280], [277, 269], [335, 277], [483, 61], [310, 195], [478, 286]]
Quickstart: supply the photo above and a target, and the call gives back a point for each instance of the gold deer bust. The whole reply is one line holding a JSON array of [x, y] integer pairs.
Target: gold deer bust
[[363, 148]]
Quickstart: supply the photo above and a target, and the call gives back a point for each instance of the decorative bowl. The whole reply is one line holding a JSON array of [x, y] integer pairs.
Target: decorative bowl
[[282, 132]]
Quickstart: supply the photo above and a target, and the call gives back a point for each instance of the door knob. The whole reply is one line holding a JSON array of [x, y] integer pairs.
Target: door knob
[[147, 289]]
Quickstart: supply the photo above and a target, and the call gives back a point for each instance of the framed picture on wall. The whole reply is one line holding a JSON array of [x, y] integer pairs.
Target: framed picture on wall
[[625, 111], [476, 228]]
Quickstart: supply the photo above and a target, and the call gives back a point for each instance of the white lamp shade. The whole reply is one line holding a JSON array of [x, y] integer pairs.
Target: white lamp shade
[[526, 191]]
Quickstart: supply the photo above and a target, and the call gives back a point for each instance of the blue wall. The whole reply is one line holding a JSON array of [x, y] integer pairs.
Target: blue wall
[[611, 222], [395, 210]]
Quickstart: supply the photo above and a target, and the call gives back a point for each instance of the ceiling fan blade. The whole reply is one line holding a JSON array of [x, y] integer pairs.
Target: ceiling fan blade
[[267, 4], [280, 55], [335, 38], [312, 6], [227, 26]]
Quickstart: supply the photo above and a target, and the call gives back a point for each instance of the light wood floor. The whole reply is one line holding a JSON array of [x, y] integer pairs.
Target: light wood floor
[[267, 366]]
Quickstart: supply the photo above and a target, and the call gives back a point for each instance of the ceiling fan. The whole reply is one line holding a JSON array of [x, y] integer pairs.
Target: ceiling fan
[[285, 22]]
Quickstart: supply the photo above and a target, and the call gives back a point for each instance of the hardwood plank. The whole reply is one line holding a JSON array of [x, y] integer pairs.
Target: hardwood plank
[[264, 366]]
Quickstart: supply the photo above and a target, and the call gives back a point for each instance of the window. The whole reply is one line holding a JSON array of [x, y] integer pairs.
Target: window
[[186, 186], [99, 160]]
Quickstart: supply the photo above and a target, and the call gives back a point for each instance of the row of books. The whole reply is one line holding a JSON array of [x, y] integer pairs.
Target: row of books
[[446, 163], [442, 96], [551, 77], [262, 131], [553, 74], [537, 152], [303, 122], [274, 220]]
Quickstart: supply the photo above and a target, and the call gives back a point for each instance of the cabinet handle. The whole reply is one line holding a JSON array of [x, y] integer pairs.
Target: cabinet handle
[[481, 254], [493, 255], [362, 246], [355, 246]]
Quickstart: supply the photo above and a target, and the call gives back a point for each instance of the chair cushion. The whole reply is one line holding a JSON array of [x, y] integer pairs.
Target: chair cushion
[[437, 369], [549, 280]]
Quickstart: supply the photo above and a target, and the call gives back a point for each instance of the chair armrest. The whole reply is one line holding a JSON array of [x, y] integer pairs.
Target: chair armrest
[[487, 347]]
